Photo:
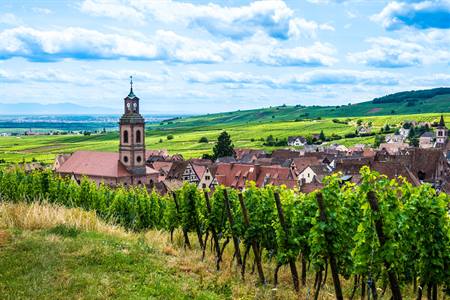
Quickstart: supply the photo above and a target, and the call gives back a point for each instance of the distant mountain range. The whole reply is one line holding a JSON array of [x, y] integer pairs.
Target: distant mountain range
[[52, 109]]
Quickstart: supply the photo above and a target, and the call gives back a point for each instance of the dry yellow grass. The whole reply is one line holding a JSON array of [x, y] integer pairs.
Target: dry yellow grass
[[45, 216]]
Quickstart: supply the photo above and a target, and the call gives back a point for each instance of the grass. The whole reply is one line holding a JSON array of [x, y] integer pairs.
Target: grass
[[187, 136], [51, 252]]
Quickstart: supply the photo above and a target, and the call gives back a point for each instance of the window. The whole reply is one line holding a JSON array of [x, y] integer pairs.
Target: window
[[204, 185], [139, 159], [125, 159], [125, 136], [138, 136], [207, 177]]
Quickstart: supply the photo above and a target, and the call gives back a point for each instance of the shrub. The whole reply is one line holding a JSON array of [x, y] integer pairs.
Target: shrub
[[170, 137], [203, 139]]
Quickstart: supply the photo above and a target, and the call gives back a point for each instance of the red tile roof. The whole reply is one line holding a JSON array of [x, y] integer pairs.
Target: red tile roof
[[92, 163], [96, 164]]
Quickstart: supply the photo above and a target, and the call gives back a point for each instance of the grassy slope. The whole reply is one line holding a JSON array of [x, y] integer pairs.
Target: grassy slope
[[44, 148], [51, 252], [436, 104]]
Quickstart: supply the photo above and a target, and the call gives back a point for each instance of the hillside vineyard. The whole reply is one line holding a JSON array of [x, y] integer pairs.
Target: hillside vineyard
[[386, 233]]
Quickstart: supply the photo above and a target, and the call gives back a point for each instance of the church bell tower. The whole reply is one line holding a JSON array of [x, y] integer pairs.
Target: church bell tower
[[132, 135]]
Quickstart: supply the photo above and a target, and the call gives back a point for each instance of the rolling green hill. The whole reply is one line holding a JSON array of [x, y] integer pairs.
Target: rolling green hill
[[411, 102]]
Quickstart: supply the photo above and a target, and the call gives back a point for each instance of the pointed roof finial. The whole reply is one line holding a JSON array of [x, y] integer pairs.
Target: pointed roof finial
[[131, 94]]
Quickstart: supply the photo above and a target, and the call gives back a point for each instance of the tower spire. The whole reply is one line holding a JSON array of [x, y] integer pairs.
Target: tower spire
[[131, 94]]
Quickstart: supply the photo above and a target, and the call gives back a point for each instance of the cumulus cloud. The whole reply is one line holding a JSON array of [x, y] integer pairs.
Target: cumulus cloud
[[415, 50], [167, 46], [300, 81], [417, 14], [275, 18], [79, 43]]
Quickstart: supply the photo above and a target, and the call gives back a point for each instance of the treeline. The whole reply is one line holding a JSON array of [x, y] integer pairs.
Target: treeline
[[412, 96], [383, 234]]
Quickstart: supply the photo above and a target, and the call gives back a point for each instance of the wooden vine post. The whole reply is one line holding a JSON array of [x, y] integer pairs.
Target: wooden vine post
[[253, 241], [197, 225], [213, 231], [331, 257], [231, 220], [286, 241], [395, 288], [185, 234]]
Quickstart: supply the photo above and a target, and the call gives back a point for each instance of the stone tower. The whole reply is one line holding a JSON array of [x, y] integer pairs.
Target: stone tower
[[441, 133], [132, 135]]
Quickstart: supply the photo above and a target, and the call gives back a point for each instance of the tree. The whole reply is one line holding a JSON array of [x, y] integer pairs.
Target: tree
[[322, 136], [270, 139], [414, 141], [224, 146], [170, 137], [378, 140], [359, 122], [203, 139]]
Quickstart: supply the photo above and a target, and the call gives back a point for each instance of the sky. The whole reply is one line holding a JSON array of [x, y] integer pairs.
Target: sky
[[198, 56]]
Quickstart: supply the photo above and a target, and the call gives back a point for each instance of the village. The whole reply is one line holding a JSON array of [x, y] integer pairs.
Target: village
[[303, 166]]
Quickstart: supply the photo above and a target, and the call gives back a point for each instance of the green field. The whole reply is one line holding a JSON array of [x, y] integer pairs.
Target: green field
[[187, 133]]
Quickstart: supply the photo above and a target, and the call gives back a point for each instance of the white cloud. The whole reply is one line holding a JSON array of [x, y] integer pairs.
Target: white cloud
[[167, 46], [418, 14], [300, 81], [413, 50], [315, 55], [79, 43], [275, 18]]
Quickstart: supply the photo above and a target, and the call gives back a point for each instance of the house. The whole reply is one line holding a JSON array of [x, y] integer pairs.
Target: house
[[208, 179], [60, 160], [364, 130], [393, 148], [315, 172], [126, 167], [183, 171], [297, 141], [241, 153], [426, 140], [163, 167], [404, 132], [395, 138], [237, 175], [310, 187], [299, 164]]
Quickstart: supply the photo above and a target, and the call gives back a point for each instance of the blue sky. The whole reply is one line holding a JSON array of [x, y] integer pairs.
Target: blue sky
[[210, 56]]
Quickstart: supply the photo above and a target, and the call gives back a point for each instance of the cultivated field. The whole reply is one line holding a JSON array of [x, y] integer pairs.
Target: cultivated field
[[186, 135]]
